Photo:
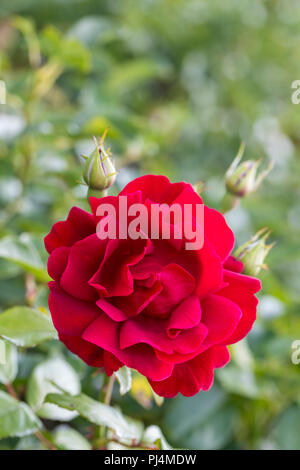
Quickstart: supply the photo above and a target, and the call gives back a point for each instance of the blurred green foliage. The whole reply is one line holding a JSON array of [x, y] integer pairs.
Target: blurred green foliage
[[179, 83]]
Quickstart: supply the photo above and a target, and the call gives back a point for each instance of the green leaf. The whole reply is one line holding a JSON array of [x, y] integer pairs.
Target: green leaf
[[9, 369], [132, 73], [154, 436], [241, 354], [26, 327], [67, 51], [66, 438], [124, 378], [98, 413], [205, 421], [237, 380], [186, 414], [215, 432], [286, 429], [29, 443], [8, 270], [43, 380], [22, 252], [151, 438], [16, 418]]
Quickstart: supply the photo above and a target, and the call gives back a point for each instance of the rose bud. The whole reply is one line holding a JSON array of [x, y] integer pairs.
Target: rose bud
[[241, 178], [254, 252], [99, 172]]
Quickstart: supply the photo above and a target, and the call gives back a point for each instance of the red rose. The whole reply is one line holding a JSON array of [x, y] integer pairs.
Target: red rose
[[150, 304]]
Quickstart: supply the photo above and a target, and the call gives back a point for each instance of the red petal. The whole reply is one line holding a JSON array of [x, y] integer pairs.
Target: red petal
[[113, 277], [241, 290], [192, 376], [89, 353], [203, 265], [156, 188], [114, 201], [177, 285], [111, 363], [95, 202], [136, 302], [57, 262], [187, 196], [210, 276], [111, 310], [233, 264], [78, 225], [185, 316], [104, 332], [84, 259], [218, 232], [221, 317], [122, 308], [70, 316], [154, 332]]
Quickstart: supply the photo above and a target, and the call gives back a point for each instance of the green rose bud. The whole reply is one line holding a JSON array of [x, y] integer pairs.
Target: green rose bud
[[241, 178], [253, 252], [99, 172]]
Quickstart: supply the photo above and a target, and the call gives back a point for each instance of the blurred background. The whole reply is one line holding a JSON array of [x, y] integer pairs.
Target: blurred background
[[179, 83]]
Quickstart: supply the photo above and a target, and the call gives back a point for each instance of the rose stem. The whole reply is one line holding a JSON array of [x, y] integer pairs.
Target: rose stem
[[109, 390], [44, 440], [107, 399]]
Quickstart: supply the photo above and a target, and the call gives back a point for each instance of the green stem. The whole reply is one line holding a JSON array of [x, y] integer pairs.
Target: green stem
[[96, 193], [109, 390], [101, 430], [229, 202]]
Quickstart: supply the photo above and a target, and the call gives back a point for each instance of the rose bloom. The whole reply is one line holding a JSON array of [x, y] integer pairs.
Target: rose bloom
[[149, 304]]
